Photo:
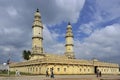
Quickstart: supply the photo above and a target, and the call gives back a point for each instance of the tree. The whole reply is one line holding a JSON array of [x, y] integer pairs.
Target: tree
[[26, 54]]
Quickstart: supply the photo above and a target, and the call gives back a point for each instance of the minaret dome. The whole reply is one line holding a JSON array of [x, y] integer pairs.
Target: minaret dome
[[37, 13]]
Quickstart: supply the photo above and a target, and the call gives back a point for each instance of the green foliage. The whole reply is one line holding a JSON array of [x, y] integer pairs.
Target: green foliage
[[12, 73], [4, 73], [26, 54]]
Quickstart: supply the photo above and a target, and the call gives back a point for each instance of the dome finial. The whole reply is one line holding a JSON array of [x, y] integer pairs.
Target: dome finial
[[37, 10], [69, 23]]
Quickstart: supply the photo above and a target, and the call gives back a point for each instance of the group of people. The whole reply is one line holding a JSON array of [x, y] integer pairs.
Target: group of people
[[98, 73], [51, 73]]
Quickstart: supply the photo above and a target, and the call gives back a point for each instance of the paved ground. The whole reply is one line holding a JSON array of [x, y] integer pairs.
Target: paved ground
[[64, 77]]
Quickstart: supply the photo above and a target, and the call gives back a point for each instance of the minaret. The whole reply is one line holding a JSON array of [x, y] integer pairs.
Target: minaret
[[37, 38], [69, 42]]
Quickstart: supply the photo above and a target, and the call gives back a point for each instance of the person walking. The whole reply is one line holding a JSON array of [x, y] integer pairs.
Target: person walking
[[97, 73], [100, 74], [52, 73], [16, 73], [47, 73]]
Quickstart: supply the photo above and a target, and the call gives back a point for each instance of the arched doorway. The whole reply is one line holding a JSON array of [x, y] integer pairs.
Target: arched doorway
[[95, 69]]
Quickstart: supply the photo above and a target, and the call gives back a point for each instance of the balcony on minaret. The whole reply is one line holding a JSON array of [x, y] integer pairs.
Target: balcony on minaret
[[69, 44], [36, 23], [37, 50], [68, 34], [37, 36]]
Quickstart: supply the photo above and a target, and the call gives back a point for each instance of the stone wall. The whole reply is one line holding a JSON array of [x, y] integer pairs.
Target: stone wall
[[65, 69]]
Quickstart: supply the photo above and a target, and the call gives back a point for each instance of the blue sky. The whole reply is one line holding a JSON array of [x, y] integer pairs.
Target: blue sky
[[95, 23]]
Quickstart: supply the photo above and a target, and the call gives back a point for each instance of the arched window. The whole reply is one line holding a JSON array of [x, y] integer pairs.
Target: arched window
[[64, 69], [80, 69], [84, 69], [104, 70], [36, 69], [88, 70], [33, 69], [58, 69], [30, 69]]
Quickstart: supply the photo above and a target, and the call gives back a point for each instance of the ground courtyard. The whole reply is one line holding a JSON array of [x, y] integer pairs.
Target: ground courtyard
[[63, 77]]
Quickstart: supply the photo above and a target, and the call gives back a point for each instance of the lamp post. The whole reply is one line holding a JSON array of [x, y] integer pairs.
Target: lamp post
[[8, 62]]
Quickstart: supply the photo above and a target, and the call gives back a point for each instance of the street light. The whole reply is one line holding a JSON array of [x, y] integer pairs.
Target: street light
[[8, 62], [4, 64]]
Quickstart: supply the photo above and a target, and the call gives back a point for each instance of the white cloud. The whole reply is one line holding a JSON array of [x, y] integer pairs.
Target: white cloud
[[101, 43], [108, 10], [70, 12], [5, 30], [86, 28], [7, 49], [59, 11], [12, 11], [50, 43], [103, 12]]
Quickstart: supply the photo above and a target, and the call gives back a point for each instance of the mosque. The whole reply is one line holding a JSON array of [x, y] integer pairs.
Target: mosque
[[40, 61]]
